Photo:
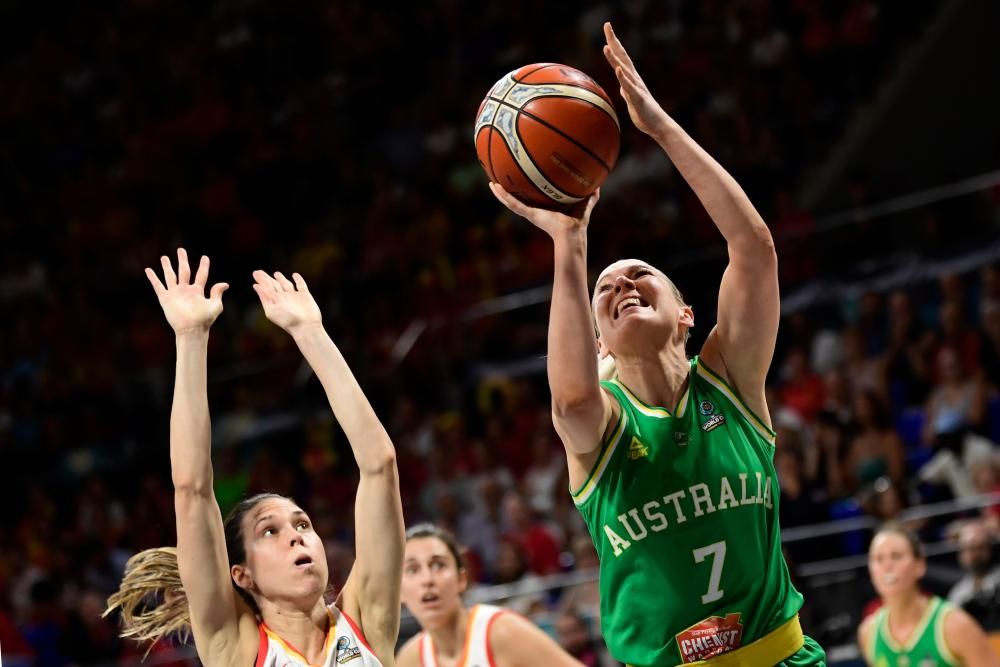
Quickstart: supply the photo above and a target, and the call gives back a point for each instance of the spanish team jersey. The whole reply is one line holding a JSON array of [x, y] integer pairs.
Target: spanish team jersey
[[345, 645], [682, 506], [925, 648], [477, 651]]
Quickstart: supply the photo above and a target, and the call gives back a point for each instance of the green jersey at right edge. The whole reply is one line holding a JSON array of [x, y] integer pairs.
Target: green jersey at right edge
[[682, 506]]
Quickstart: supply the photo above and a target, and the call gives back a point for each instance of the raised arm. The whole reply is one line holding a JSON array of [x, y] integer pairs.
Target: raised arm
[[201, 543], [371, 595], [742, 344], [581, 410]]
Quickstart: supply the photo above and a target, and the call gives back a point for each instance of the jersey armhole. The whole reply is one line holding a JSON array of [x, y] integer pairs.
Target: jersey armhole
[[939, 639], [720, 385], [607, 450]]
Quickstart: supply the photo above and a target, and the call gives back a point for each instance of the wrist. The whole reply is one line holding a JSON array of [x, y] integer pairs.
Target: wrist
[[665, 131], [570, 238], [193, 335], [305, 330]]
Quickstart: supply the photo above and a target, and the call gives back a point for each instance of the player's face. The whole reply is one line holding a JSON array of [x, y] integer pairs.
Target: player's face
[[432, 582], [285, 557], [633, 297], [893, 566]]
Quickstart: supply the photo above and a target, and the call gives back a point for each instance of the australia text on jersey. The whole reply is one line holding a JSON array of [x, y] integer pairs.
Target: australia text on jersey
[[696, 501]]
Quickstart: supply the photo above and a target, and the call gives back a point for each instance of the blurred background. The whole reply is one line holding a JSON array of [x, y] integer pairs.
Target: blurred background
[[335, 139]]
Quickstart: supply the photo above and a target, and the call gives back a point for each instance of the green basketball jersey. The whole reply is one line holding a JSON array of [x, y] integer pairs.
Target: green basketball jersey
[[683, 509], [926, 647]]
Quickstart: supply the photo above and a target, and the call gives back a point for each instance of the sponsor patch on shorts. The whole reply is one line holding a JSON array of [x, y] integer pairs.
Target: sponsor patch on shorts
[[711, 637]]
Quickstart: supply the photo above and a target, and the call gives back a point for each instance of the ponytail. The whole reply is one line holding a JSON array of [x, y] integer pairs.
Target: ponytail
[[150, 600]]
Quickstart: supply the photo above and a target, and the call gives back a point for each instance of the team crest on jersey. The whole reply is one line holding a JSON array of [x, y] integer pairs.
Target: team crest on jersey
[[711, 637], [713, 422], [346, 651], [637, 450], [706, 408]]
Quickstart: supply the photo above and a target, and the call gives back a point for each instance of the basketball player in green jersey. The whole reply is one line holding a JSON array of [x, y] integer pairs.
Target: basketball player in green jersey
[[912, 629], [671, 459]]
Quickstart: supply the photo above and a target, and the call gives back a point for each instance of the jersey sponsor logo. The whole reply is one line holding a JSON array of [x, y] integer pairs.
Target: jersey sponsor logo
[[681, 438], [637, 450], [706, 408], [346, 651], [637, 523], [713, 422], [711, 637]]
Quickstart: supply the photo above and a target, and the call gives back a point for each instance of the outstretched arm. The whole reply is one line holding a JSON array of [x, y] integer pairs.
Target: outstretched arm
[[371, 595], [742, 344], [201, 543], [581, 410]]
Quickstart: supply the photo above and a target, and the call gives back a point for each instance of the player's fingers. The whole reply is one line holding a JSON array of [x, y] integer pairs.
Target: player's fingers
[[154, 280], [508, 200], [285, 283], [616, 45], [201, 277], [183, 268], [168, 272], [300, 282], [217, 289], [264, 280]]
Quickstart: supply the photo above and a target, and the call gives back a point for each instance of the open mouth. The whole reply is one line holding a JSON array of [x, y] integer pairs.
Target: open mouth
[[430, 598], [303, 561], [626, 304]]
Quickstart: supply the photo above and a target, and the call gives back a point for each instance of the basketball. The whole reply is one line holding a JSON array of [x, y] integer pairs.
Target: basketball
[[548, 134]]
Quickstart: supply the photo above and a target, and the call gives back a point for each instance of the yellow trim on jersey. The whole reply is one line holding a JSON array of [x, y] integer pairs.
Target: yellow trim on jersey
[[295, 652], [653, 411], [939, 639], [917, 633], [716, 381], [585, 491], [772, 648], [873, 640]]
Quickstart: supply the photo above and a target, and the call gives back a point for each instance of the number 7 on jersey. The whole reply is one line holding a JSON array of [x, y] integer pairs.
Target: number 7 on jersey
[[718, 552]]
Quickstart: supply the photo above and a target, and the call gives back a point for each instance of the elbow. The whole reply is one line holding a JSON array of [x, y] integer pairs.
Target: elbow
[[381, 464], [569, 405], [192, 489], [757, 245]]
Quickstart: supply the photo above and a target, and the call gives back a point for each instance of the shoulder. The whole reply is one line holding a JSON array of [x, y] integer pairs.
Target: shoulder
[[958, 624], [866, 632], [963, 637], [409, 654]]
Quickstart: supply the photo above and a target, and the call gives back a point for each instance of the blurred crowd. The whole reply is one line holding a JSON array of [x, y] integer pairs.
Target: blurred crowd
[[335, 140]]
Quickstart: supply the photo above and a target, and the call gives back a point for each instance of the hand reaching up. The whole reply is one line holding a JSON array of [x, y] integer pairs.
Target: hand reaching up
[[645, 111], [288, 305], [184, 302]]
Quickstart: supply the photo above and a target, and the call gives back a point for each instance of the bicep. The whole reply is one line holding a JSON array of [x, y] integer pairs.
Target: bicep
[[204, 570], [748, 314], [371, 594], [518, 642], [582, 428]]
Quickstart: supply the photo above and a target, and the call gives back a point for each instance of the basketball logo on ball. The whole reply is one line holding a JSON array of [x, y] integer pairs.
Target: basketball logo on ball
[[548, 134]]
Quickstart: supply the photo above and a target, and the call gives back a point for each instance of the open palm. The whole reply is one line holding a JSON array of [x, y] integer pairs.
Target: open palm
[[645, 111], [183, 301], [287, 304]]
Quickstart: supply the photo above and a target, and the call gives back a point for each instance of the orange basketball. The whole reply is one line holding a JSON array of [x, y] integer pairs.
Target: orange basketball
[[548, 134]]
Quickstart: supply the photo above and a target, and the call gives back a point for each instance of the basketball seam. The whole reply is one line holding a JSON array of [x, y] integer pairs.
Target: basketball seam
[[537, 69], [521, 169], [555, 129], [532, 158], [570, 84]]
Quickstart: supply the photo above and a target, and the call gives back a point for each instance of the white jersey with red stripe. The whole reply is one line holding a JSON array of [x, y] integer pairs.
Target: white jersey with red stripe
[[345, 645], [477, 652]]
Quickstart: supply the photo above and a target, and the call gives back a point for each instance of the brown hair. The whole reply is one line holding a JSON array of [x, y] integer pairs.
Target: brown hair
[[151, 600], [430, 530], [897, 528]]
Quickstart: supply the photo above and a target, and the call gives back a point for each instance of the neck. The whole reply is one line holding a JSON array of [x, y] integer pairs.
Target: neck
[[907, 608], [449, 637], [658, 378], [305, 630]]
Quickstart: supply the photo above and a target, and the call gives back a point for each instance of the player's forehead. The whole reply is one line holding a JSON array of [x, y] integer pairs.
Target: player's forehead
[[624, 266]]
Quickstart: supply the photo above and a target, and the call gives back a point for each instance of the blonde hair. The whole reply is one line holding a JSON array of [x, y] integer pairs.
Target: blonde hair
[[151, 600], [607, 368]]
